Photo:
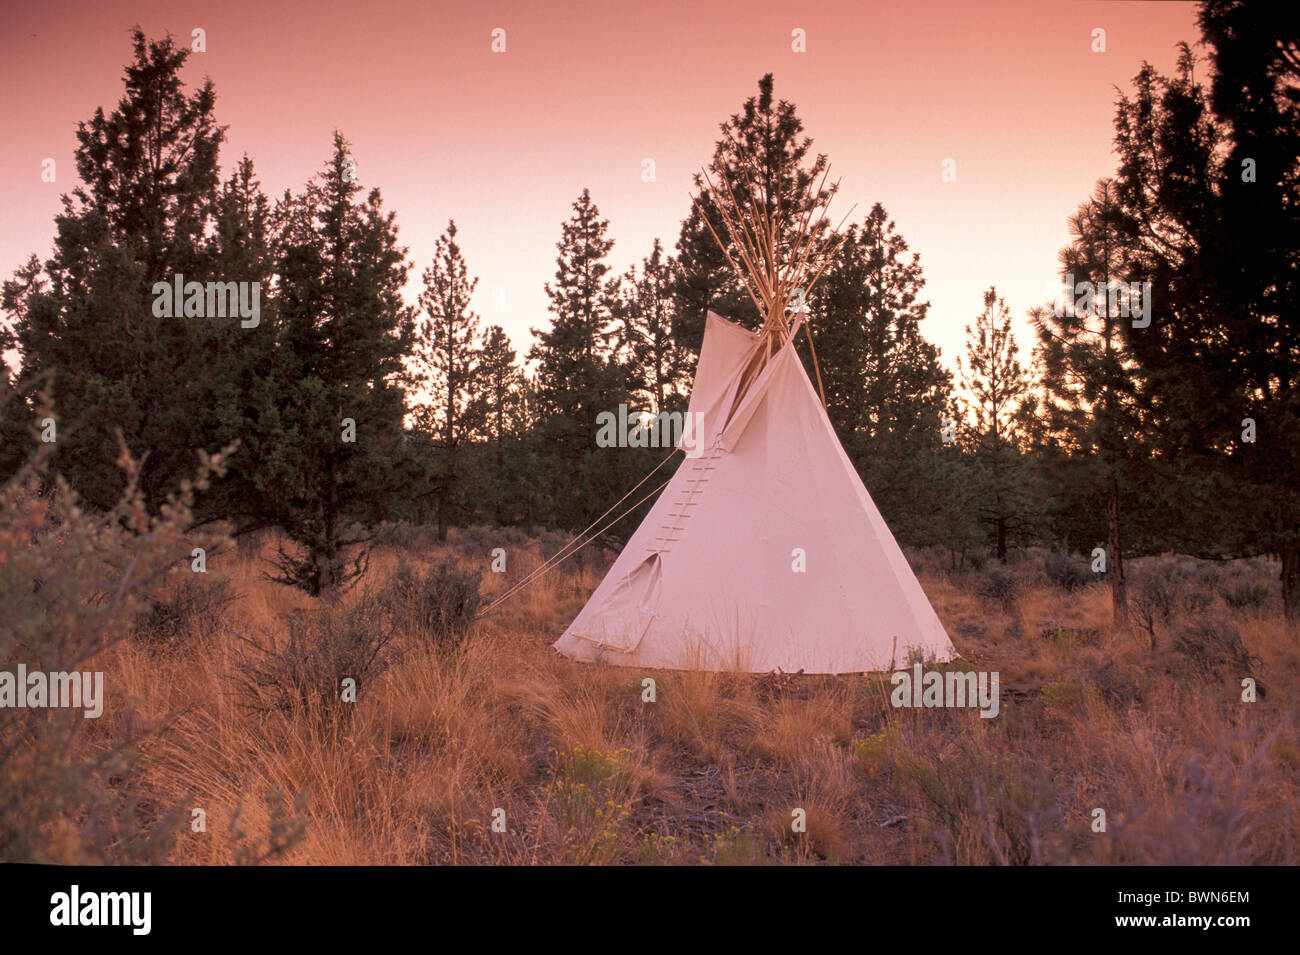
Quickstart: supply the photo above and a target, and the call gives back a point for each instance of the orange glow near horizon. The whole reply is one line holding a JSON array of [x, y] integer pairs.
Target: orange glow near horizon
[[504, 142]]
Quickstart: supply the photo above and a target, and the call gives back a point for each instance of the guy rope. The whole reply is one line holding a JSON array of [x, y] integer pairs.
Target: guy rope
[[571, 548]]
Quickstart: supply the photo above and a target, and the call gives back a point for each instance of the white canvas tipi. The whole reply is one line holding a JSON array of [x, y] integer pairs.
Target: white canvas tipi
[[764, 552]]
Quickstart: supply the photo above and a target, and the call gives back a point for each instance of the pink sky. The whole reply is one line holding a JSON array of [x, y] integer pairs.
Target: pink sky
[[504, 142]]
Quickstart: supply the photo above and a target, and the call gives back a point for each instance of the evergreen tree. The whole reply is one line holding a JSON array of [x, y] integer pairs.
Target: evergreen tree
[[770, 132], [502, 385], [578, 374], [702, 279], [446, 362], [236, 401], [1207, 196], [1088, 376], [85, 321], [343, 337], [886, 389], [533, 453], [956, 477], [19, 431], [997, 383], [645, 313]]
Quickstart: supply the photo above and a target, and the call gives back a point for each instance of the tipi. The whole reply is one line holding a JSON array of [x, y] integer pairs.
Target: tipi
[[764, 552]]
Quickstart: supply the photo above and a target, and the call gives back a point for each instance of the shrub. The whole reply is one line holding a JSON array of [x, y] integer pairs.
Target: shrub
[[737, 846], [477, 541], [439, 604], [1152, 599], [1000, 586], [1245, 594], [656, 849], [1066, 571], [194, 604], [1065, 696], [589, 798], [1197, 591], [873, 752], [1213, 644], [72, 584], [1115, 684], [589, 767], [286, 826], [401, 535], [1073, 636], [992, 808], [576, 559], [302, 672]]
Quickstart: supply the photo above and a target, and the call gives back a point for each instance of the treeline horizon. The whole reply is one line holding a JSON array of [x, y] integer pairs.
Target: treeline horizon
[[1176, 429]]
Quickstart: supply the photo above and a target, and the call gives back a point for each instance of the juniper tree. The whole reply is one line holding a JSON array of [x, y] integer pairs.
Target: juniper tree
[[236, 401], [84, 320], [18, 424], [344, 333]]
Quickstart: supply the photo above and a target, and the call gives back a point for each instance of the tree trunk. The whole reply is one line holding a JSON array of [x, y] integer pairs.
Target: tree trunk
[[1291, 581], [1002, 539], [327, 559], [1115, 555], [247, 540], [442, 514], [329, 585], [499, 490]]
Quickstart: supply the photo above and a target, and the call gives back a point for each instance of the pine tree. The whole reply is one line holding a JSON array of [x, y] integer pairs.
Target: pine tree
[[447, 371], [533, 455], [1088, 376], [502, 385], [578, 375], [997, 383], [572, 354], [886, 389], [770, 132], [702, 278], [645, 313], [1207, 198]]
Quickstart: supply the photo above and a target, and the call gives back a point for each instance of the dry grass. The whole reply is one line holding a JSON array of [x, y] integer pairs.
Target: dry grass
[[442, 742]]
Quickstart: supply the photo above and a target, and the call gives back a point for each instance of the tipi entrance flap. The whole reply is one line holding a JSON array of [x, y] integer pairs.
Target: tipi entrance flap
[[624, 614]]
